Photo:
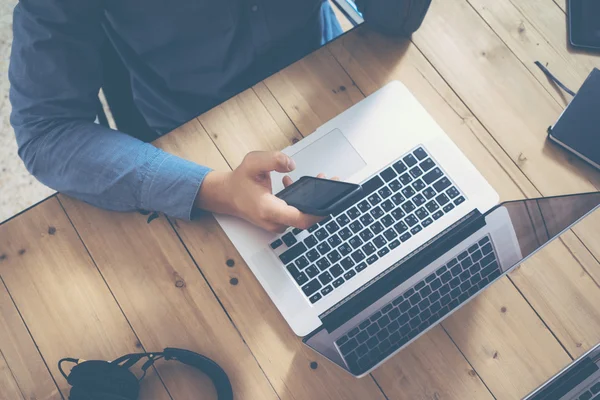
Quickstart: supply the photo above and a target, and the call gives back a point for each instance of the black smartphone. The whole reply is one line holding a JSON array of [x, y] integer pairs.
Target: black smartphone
[[584, 23], [318, 196]]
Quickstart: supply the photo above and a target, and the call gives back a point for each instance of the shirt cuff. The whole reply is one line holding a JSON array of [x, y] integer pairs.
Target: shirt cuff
[[171, 185]]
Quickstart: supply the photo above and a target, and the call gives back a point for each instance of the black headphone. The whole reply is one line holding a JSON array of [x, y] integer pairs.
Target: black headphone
[[105, 380]]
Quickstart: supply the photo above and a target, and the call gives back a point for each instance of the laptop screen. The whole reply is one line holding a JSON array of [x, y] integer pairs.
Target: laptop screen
[[418, 292]]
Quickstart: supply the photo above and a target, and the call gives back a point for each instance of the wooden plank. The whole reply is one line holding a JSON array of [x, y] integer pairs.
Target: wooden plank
[[165, 298], [510, 367], [282, 356], [432, 368], [62, 297], [372, 61], [21, 366], [536, 30], [507, 99], [9, 390]]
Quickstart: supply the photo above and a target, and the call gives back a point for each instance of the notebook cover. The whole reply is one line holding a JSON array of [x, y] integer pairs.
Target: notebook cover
[[578, 128]]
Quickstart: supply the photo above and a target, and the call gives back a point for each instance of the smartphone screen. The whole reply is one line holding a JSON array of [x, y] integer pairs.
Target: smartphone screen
[[310, 194], [584, 21]]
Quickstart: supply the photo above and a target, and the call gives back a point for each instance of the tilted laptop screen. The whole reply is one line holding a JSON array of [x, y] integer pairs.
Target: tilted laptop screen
[[502, 239]]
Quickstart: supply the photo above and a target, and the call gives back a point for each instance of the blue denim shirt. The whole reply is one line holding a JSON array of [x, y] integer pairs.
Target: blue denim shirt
[[184, 56]]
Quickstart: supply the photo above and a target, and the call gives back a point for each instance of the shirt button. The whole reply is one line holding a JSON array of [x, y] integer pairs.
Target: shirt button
[[254, 8]]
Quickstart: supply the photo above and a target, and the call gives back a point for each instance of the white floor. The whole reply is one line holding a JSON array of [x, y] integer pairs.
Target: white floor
[[18, 189]]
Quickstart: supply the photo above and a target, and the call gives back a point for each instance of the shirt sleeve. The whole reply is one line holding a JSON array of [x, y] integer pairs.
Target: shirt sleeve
[[55, 75]]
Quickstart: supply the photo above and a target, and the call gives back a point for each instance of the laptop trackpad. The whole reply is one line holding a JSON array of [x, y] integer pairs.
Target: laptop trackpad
[[332, 155]]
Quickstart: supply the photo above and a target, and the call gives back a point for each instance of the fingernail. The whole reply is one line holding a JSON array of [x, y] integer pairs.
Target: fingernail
[[291, 164]]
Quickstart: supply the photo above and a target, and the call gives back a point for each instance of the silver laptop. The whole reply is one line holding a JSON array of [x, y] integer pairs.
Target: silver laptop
[[579, 381], [418, 187]]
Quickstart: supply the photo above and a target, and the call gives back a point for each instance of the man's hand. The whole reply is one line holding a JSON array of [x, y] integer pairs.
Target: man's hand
[[246, 193]]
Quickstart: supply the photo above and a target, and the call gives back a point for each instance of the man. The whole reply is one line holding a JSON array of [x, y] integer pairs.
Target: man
[[184, 56]]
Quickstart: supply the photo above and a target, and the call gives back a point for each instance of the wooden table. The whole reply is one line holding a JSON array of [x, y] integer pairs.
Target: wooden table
[[78, 281]]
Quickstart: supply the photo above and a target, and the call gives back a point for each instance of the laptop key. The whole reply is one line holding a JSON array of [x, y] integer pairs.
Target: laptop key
[[358, 256], [323, 248], [311, 287], [349, 275], [390, 234], [338, 282], [427, 164], [416, 172], [405, 236], [432, 176], [323, 264], [448, 208], [408, 192], [364, 206], [374, 199], [312, 271], [399, 166], [418, 185], [395, 185], [409, 160], [293, 252], [401, 227], [437, 215], [336, 270], [334, 256], [377, 227], [411, 220], [394, 244], [356, 226], [420, 153], [332, 227], [368, 249], [301, 279], [344, 249], [276, 244], [301, 262], [595, 388], [388, 174], [353, 213], [379, 241], [442, 199], [387, 221], [289, 239], [416, 229], [360, 267], [429, 193], [345, 233], [398, 214], [487, 249], [343, 220], [418, 200], [452, 192], [326, 290], [355, 242], [427, 222], [387, 205], [405, 178], [441, 185], [383, 252], [347, 263], [372, 259], [408, 207], [421, 213], [366, 235], [459, 200], [334, 241], [315, 297], [349, 346], [325, 278], [398, 199], [313, 255], [321, 234], [366, 219], [377, 212], [384, 192], [310, 241]]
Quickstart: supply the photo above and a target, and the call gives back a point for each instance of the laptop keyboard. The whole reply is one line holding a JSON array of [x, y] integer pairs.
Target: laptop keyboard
[[397, 204], [592, 393], [399, 321]]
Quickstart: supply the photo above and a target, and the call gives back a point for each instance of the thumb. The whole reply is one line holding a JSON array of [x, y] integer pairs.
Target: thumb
[[258, 162]]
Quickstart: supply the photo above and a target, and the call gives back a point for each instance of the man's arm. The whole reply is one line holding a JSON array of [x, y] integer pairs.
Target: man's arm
[[55, 74], [394, 17]]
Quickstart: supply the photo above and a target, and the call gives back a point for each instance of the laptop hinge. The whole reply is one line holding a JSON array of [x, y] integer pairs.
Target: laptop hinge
[[420, 258]]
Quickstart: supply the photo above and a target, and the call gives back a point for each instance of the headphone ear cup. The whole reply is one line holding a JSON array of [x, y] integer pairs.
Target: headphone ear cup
[[93, 380]]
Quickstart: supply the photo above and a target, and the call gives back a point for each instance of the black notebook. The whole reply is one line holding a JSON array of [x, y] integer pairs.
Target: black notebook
[[578, 128]]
